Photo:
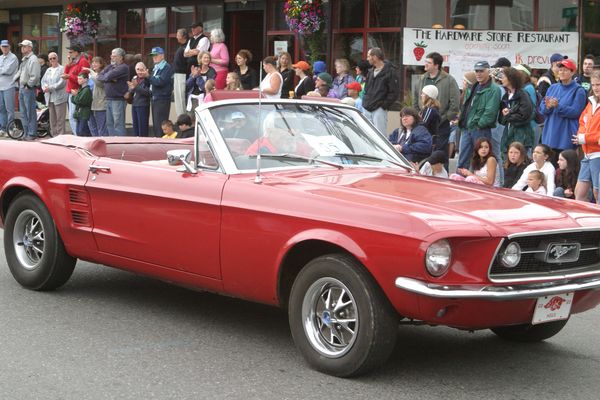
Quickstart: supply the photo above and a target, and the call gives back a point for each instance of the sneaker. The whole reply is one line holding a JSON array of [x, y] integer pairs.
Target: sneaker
[[3, 132], [29, 138]]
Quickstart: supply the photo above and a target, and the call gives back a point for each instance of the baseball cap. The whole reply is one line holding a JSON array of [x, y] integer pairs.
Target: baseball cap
[[319, 66], [4, 43], [502, 62], [437, 157], [481, 65], [156, 50], [556, 57], [75, 47], [354, 85], [431, 91], [522, 68], [303, 65], [569, 64], [26, 43], [325, 77], [237, 115]]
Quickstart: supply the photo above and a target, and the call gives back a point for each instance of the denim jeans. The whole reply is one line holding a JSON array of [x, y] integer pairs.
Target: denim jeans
[[115, 117], [71, 110], [379, 118], [97, 123], [83, 128], [7, 107], [467, 143], [141, 117], [27, 107]]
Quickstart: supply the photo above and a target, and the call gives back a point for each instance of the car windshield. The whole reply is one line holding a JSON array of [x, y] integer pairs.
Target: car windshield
[[294, 134]]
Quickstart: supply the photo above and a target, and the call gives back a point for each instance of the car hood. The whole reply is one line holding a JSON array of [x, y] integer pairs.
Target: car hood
[[445, 205]]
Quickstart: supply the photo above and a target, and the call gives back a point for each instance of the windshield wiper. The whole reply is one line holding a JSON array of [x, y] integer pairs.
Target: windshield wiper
[[374, 158], [288, 156]]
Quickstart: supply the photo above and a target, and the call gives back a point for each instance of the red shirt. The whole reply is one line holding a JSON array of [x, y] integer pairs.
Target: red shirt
[[74, 70]]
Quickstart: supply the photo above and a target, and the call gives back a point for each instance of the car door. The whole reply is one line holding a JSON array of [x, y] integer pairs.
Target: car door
[[157, 215]]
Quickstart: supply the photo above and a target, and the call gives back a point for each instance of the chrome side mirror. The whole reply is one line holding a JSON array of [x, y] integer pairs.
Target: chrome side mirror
[[178, 157]]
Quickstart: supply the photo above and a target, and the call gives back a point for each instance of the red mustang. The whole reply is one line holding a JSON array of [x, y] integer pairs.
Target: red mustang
[[302, 205]]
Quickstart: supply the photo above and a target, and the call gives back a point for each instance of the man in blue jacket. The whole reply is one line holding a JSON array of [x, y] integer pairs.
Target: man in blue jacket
[[115, 77], [161, 87], [562, 106]]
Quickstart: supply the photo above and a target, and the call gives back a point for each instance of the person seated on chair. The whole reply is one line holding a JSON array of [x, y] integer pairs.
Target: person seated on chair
[[186, 126]]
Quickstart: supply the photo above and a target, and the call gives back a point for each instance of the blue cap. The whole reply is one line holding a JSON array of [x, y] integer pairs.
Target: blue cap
[[318, 67], [157, 50], [4, 43], [556, 57]]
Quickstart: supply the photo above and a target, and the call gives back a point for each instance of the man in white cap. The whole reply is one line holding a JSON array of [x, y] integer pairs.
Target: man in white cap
[[8, 67], [28, 78]]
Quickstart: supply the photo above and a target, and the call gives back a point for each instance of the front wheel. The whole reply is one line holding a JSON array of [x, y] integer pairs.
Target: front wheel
[[530, 333], [34, 250], [339, 317]]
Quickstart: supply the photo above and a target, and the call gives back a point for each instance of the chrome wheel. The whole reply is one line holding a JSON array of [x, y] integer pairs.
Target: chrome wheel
[[330, 317], [29, 239]]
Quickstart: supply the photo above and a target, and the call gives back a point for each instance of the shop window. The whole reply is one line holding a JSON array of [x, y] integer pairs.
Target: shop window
[[384, 13], [425, 13], [470, 14], [42, 29], [50, 24], [289, 46], [133, 21], [108, 26], [389, 42], [352, 13], [513, 15], [131, 45], [182, 17], [591, 18], [349, 46], [278, 19], [211, 14], [590, 45], [557, 15], [155, 21], [104, 46], [32, 24]]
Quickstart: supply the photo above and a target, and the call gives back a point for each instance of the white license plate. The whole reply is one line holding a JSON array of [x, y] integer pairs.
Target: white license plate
[[552, 308]]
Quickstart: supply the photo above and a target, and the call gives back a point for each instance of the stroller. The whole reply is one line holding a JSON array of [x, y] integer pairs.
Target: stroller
[[15, 128]]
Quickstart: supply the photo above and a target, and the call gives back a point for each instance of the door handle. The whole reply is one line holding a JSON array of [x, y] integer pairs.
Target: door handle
[[98, 168]]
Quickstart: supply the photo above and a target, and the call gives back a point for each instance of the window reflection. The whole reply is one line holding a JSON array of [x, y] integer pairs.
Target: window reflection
[[50, 24], [385, 13], [348, 45], [425, 13], [155, 21], [557, 15], [32, 24], [390, 43], [470, 14], [182, 16], [514, 15], [133, 21], [108, 26], [352, 13]]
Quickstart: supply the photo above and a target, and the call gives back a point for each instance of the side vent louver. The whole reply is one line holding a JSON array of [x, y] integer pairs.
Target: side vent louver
[[79, 205], [80, 217]]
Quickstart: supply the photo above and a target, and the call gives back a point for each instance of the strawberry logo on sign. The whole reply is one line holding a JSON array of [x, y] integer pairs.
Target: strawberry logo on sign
[[555, 303], [419, 51]]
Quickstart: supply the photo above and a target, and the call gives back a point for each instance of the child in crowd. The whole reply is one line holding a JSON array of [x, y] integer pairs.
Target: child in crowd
[[209, 87], [541, 154], [354, 89], [535, 182], [232, 81], [434, 165], [430, 114], [515, 164], [82, 98], [483, 166], [186, 126], [168, 130], [566, 174]]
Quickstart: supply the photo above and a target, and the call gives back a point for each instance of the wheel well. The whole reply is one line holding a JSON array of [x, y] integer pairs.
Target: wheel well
[[9, 195], [296, 259]]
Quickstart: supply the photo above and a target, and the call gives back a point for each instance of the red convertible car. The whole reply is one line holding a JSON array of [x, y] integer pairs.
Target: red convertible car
[[305, 206]]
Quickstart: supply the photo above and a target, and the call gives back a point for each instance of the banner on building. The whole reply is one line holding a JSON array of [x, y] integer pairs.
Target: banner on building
[[462, 48]]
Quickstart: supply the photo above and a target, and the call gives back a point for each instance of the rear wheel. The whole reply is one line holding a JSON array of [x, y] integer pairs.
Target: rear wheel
[[15, 129], [34, 250], [530, 333], [339, 318]]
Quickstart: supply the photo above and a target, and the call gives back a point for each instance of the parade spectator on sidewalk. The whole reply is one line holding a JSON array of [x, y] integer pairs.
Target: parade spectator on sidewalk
[[115, 77], [479, 112], [43, 60], [588, 136], [515, 164], [342, 78], [248, 75], [76, 61], [181, 71], [306, 83], [139, 87], [566, 174], [448, 97], [586, 72], [219, 57], [98, 115], [412, 138], [484, 165], [195, 86], [56, 97], [550, 77], [516, 112], [562, 107], [161, 87], [429, 113], [82, 98], [28, 77], [284, 67], [9, 64], [233, 82], [273, 81], [541, 156], [382, 89], [196, 45], [362, 71]]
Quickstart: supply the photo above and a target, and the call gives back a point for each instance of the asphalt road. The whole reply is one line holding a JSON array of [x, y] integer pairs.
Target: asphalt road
[[109, 334]]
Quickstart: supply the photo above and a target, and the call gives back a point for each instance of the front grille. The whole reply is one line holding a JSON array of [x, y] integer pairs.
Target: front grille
[[533, 262]]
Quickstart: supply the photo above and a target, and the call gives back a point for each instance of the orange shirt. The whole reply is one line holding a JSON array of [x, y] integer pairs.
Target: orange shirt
[[589, 126]]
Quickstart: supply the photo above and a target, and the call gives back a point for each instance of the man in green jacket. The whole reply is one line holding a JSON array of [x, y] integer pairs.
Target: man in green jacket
[[479, 113]]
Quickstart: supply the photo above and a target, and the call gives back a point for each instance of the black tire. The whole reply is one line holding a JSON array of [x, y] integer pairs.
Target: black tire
[[34, 250], [528, 333], [349, 348], [15, 129]]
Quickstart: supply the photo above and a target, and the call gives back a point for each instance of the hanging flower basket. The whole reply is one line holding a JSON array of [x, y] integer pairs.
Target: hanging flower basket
[[304, 16], [80, 22]]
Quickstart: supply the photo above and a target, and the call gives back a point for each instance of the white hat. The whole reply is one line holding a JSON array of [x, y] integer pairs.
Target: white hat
[[431, 91], [26, 43], [237, 115]]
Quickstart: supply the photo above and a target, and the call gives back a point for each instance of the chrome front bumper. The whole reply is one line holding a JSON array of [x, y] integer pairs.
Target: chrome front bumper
[[507, 292]]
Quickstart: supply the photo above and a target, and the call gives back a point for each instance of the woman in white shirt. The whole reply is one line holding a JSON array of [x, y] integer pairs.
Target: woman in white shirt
[[56, 97], [272, 82], [541, 154]]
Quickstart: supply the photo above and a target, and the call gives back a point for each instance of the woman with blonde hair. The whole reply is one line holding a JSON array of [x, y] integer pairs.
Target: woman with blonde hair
[[287, 73], [342, 78], [233, 82], [195, 89], [219, 56]]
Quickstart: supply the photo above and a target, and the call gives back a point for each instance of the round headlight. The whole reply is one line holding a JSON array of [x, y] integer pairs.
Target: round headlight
[[511, 255], [437, 257]]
